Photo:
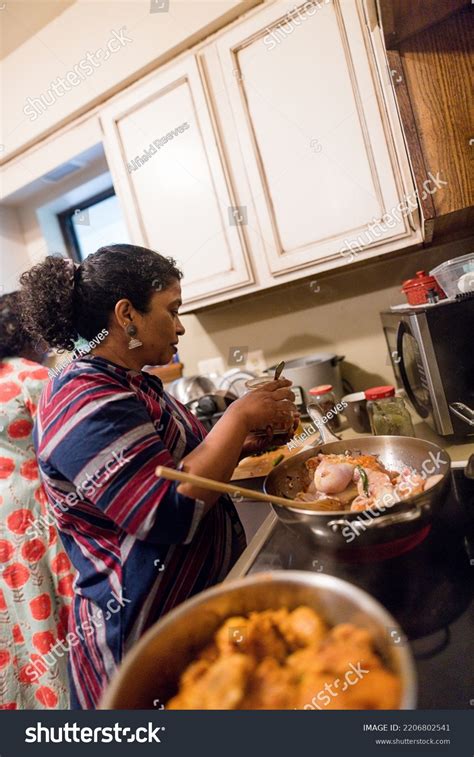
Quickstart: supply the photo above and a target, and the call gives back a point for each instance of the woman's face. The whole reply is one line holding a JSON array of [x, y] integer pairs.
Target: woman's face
[[160, 328]]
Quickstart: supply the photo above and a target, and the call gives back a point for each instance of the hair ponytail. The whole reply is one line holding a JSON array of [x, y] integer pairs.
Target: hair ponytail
[[47, 298]]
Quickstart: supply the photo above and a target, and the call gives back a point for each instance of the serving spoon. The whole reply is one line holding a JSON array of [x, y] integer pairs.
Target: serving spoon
[[218, 486]]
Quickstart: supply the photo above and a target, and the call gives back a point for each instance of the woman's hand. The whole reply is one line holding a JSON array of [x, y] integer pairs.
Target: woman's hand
[[257, 444], [271, 406], [218, 454]]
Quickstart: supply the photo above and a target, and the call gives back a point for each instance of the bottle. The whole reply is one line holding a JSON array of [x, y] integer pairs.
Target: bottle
[[388, 414], [325, 399]]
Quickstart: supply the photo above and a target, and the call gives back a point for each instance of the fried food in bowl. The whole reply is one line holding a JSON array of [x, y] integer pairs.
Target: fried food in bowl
[[273, 640], [278, 659]]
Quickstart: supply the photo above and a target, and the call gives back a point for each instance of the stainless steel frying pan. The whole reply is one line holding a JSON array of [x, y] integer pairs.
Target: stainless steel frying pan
[[352, 530]]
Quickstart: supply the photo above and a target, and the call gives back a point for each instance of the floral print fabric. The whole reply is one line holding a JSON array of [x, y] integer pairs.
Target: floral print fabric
[[35, 573]]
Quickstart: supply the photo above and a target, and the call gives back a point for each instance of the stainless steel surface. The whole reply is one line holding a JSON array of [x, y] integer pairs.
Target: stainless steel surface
[[313, 370], [189, 388], [415, 325], [317, 418], [403, 519], [421, 332], [463, 412], [150, 671]]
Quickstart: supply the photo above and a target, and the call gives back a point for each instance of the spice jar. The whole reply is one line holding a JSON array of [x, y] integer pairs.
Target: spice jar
[[325, 399], [388, 414]]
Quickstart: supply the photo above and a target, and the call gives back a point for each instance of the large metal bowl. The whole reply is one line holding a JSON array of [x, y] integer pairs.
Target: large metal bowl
[[149, 674]]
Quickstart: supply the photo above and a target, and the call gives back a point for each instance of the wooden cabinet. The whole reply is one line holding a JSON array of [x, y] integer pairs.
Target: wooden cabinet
[[313, 131], [168, 171], [430, 55], [286, 157]]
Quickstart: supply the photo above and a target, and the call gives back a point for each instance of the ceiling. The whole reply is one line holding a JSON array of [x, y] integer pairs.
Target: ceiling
[[22, 19]]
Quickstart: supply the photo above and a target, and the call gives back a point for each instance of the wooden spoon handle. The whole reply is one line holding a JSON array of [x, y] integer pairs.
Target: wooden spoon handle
[[218, 486]]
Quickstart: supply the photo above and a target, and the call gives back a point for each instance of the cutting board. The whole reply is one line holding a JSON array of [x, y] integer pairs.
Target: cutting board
[[261, 465]]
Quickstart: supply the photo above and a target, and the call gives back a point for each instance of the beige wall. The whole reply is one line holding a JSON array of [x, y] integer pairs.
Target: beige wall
[[342, 317], [85, 26], [13, 252]]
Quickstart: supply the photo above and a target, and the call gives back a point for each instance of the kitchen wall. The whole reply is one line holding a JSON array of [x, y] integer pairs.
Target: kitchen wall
[[337, 312], [12, 248], [145, 40]]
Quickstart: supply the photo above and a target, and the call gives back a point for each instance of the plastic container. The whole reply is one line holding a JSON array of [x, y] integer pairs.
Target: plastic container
[[417, 290], [388, 414], [456, 276], [325, 399]]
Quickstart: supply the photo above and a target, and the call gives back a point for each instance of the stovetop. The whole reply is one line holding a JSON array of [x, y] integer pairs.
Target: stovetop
[[429, 591]]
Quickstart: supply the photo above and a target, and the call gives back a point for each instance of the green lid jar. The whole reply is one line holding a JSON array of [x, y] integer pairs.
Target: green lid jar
[[388, 414]]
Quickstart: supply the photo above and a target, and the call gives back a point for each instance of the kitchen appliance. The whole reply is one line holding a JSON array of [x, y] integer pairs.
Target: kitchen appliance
[[337, 530], [312, 370], [149, 674], [209, 408], [432, 355]]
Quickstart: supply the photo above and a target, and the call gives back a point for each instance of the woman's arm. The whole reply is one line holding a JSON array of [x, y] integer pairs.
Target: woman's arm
[[219, 453], [99, 437]]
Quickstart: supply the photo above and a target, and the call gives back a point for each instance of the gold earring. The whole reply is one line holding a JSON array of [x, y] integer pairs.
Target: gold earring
[[131, 331]]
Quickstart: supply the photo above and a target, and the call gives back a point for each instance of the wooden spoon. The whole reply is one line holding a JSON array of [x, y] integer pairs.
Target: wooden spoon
[[218, 486]]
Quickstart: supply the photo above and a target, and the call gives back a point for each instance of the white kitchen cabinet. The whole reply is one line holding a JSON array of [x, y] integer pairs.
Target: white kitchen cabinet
[[322, 160], [176, 197]]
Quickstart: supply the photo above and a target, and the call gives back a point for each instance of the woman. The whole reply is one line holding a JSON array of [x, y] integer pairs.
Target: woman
[[103, 427], [35, 573]]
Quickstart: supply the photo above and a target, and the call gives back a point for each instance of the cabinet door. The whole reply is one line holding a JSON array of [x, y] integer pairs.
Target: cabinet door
[[313, 132], [175, 194]]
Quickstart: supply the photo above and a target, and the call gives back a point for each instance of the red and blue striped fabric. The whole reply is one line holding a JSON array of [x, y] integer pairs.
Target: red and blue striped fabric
[[139, 546]]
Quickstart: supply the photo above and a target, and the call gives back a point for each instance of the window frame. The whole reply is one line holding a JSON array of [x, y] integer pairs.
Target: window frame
[[67, 226]]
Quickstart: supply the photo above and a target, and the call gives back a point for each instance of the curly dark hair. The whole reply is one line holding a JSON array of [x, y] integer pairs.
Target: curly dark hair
[[14, 339], [62, 302]]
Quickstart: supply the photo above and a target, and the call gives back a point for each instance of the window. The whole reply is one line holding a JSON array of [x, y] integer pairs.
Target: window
[[97, 222]]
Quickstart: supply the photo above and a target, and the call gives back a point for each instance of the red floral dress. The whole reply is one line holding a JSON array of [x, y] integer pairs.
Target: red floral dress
[[35, 572]]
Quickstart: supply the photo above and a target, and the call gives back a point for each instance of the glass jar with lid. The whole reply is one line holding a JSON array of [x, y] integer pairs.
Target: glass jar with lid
[[388, 414], [325, 399]]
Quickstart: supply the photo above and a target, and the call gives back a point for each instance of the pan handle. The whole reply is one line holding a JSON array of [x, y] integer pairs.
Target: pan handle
[[384, 520], [316, 416]]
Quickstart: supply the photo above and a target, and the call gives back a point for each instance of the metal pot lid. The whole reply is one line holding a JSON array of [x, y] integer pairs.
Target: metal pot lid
[[302, 362]]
